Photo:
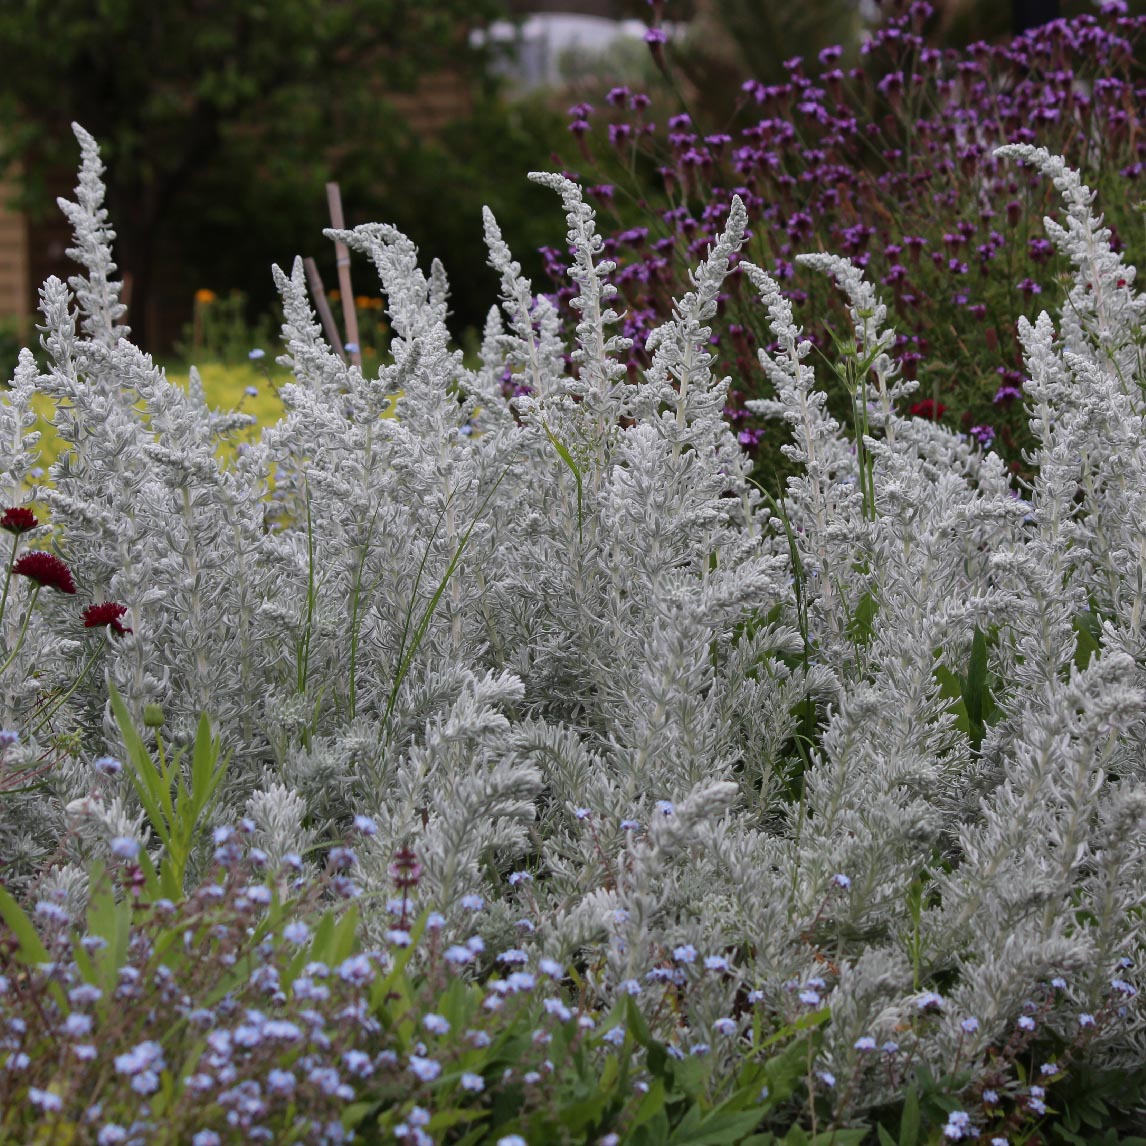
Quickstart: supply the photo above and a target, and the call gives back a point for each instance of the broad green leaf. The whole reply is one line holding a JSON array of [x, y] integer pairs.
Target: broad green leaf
[[909, 1120], [975, 692], [1088, 634], [635, 1022], [31, 950], [578, 1117], [717, 1129], [142, 772], [861, 624], [445, 1119], [688, 1126], [650, 1105], [205, 776], [320, 942], [689, 1076], [342, 942]]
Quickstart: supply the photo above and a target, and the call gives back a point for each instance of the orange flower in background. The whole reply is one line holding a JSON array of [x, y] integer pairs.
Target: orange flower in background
[[205, 296], [335, 296], [362, 301]]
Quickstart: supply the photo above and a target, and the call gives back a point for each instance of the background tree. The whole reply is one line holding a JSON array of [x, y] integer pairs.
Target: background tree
[[190, 98]]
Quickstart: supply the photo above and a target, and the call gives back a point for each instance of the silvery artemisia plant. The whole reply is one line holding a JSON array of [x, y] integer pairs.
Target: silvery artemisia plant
[[559, 647]]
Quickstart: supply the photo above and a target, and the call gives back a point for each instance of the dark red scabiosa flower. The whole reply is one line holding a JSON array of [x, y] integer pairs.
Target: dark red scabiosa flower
[[45, 569], [929, 408], [106, 613], [18, 519]]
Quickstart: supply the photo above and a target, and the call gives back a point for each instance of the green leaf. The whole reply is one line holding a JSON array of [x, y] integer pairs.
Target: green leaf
[[653, 1133], [950, 686], [144, 775], [154, 888], [786, 1071], [650, 1105], [1070, 1136], [321, 940], [111, 921], [578, 1117], [355, 1112], [1094, 1114], [749, 1083], [342, 941], [1088, 637], [975, 693], [635, 1022], [860, 626], [31, 950], [445, 1119], [885, 1138], [909, 1121], [567, 458], [205, 776], [407, 654], [690, 1076], [812, 1020], [688, 1125], [476, 1135], [717, 1129]]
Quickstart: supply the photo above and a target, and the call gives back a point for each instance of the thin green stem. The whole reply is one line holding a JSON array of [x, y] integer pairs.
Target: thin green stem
[[23, 630], [302, 668], [406, 655], [356, 596], [49, 713], [8, 575]]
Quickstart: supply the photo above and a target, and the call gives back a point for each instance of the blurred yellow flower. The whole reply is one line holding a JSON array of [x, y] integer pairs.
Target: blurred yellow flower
[[205, 296]]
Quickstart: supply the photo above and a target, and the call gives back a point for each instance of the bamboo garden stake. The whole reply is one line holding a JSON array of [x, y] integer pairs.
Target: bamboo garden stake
[[342, 257], [314, 280]]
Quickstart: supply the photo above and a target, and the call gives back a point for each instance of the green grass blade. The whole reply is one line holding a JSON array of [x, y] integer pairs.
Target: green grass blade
[[567, 458], [143, 773], [428, 614]]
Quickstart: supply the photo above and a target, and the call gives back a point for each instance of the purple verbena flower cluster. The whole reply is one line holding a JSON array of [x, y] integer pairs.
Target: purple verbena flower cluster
[[865, 162]]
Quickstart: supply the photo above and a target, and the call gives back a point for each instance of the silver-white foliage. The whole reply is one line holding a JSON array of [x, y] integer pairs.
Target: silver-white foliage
[[561, 634]]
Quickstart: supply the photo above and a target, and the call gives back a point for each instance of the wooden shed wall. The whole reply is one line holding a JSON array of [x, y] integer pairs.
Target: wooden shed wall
[[15, 281]]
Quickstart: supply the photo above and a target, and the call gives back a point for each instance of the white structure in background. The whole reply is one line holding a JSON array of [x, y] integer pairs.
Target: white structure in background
[[531, 52]]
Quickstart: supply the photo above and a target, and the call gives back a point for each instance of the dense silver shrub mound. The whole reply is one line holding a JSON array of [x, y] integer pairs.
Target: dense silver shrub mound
[[887, 734]]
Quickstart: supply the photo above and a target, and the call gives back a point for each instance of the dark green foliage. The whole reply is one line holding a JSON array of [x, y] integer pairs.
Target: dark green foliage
[[194, 97], [433, 189]]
